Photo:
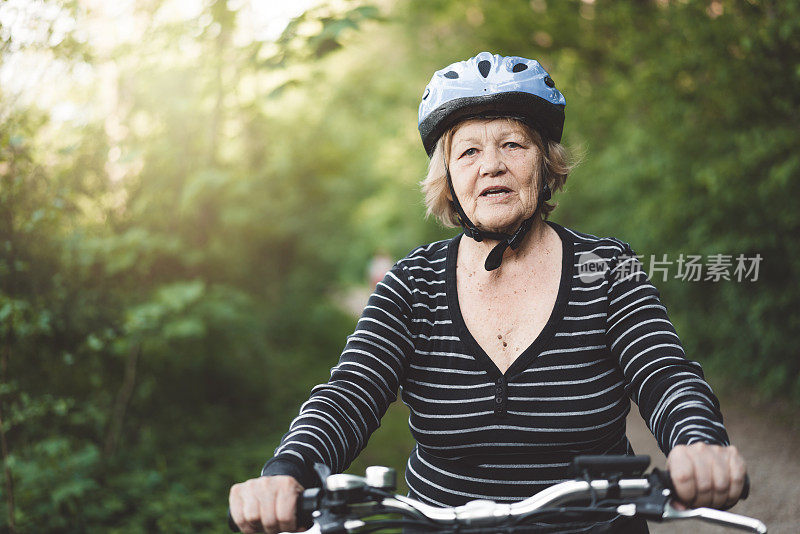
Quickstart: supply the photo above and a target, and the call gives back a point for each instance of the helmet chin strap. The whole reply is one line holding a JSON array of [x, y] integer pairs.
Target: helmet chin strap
[[495, 257]]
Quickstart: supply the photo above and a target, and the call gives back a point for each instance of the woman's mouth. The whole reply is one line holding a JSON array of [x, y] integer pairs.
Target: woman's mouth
[[495, 191]]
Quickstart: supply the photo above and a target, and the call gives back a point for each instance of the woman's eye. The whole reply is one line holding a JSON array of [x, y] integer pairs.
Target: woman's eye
[[513, 144], [470, 152]]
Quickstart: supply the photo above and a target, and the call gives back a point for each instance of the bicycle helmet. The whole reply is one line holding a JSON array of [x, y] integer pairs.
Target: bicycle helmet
[[491, 86]]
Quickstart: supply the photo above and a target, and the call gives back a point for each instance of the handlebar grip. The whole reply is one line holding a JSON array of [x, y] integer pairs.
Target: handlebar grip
[[307, 503], [231, 524], [745, 487]]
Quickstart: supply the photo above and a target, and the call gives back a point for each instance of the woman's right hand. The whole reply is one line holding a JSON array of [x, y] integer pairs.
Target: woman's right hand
[[265, 504]]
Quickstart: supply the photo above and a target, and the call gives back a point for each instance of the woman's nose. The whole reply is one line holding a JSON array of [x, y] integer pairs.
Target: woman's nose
[[492, 164]]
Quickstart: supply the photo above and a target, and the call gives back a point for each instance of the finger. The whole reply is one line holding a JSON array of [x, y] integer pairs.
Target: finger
[[703, 475], [252, 514], [285, 505], [720, 473], [678, 505], [267, 506], [738, 469], [236, 507], [681, 471]]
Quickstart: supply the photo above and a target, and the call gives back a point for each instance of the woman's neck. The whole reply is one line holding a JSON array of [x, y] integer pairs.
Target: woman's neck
[[477, 251]]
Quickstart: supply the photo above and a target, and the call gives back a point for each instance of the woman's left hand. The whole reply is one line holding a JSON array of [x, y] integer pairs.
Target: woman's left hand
[[706, 475]]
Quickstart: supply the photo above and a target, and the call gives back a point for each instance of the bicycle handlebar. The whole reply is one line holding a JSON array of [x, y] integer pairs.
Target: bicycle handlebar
[[614, 485]]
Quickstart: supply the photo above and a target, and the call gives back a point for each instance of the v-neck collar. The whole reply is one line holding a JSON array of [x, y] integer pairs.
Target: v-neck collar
[[521, 362]]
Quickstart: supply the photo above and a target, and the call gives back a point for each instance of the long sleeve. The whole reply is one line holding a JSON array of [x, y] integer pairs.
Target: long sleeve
[[334, 424], [675, 401]]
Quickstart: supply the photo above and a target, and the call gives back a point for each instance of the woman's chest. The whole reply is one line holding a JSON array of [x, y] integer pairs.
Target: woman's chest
[[505, 317]]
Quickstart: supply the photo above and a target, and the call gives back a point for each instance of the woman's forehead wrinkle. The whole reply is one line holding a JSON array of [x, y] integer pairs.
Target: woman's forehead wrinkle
[[470, 139], [486, 130]]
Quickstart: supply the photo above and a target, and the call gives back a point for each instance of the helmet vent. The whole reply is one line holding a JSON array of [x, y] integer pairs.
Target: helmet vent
[[451, 74], [548, 81], [519, 67], [427, 93], [483, 67]]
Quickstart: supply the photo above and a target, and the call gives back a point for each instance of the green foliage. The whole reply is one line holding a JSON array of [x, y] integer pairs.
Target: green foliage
[[168, 261]]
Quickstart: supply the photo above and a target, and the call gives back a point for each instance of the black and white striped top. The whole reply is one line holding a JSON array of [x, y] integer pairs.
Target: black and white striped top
[[482, 434]]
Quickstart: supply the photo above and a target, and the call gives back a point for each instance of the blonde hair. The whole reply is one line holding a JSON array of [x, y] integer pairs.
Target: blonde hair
[[437, 194]]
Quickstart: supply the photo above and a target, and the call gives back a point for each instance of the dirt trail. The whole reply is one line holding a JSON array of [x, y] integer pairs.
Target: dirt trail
[[773, 458]]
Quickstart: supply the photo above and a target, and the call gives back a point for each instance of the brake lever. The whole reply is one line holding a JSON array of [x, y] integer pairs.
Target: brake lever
[[658, 506], [712, 515]]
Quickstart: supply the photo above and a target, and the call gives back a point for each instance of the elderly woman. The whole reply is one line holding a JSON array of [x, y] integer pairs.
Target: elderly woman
[[511, 359]]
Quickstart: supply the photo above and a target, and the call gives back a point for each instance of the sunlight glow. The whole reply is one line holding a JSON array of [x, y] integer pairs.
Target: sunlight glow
[[30, 73]]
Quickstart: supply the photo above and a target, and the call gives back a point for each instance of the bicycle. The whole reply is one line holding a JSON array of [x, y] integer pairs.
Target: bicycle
[[603, 487]]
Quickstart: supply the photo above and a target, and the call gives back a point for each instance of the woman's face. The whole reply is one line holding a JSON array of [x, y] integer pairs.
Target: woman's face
[[493, 164]]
